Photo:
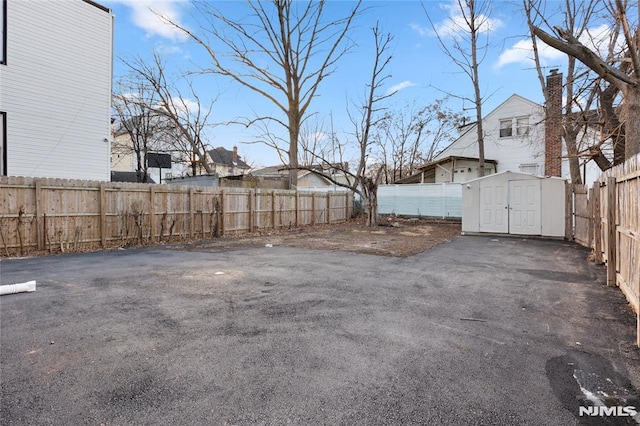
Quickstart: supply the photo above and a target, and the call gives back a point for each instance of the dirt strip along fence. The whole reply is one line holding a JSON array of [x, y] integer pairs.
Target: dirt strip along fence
[[58, 215], [608, 221]]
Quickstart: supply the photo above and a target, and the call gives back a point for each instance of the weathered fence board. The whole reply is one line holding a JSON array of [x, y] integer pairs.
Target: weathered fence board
[[581, 214], [66, 215], [615, 221]]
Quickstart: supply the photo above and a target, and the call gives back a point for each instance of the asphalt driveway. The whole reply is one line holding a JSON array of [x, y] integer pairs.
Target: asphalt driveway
[[481, 330]]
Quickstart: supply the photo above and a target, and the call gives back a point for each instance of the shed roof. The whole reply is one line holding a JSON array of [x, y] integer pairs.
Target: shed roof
[[515, 174]]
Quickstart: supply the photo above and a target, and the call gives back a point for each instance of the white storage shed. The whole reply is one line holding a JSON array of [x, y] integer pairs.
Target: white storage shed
[[514, 203]]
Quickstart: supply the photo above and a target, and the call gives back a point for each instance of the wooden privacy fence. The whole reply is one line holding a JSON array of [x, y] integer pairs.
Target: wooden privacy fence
[[68, 215], [613, 227]]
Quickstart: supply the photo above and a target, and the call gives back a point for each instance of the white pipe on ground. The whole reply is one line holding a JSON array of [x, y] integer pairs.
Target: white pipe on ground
[[17, 288]]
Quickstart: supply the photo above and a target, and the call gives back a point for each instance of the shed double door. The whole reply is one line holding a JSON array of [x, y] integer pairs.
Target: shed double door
[[510, 207]]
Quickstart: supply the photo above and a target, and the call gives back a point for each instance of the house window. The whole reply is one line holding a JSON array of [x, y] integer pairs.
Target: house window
[[529, 168], [522, 126], [3, 31], [506, 129], [3, 143]]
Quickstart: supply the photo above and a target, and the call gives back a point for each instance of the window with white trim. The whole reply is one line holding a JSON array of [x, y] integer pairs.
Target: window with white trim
[[522, 126], [530, 168], [506, 128]]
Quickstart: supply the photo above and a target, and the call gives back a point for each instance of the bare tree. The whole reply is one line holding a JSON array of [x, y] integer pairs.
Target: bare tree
[[581, 86], [620, 71], [135, 120], [313, 140], [363, 179], [411, 136], [282, 50], [187, 118], [467, 49]]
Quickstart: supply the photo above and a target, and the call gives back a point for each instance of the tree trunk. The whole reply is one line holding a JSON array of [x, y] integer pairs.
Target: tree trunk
[[570, 140], [476, 87], [571, 126], [294, 134], [632, 125], [371, 206], [370, 199]]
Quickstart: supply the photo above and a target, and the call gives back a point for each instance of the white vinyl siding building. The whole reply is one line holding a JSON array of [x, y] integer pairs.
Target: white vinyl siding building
[[513, 136], [55, 96]]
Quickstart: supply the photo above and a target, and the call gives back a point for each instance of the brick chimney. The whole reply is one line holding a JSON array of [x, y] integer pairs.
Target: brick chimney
[[553, 125], [234, 157]]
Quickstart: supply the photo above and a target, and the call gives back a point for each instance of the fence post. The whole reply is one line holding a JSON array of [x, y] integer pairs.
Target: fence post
[[103, 215], [329, 208], [313, 208], [346, 207], [273, 209], [39, 223], [252, 207], [590, 227], [152, 213], [568, 220], [611, 231], [597, 225], [297, 209], [221, 220], [191, 212]]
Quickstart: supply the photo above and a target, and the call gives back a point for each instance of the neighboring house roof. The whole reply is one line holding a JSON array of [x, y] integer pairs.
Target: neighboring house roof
[[282, 170], [305, 177], [429, 170], [223, 156], [274, 171], [278, 171], [131, 177]]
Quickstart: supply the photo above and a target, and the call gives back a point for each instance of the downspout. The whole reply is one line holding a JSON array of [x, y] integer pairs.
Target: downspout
[[29, 286], [453, 168]]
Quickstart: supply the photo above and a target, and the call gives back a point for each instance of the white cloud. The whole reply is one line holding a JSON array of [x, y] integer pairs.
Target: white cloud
[[400, 86], [148, 15], [186, 106], [167, 49], [596, 39], [455, 26], [422, 31], [522, 53]]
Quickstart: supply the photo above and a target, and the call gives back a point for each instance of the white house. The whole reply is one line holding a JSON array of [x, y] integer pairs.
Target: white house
[[227, 163], [516, 138], [159, 138], [55, 91], [513, 139]]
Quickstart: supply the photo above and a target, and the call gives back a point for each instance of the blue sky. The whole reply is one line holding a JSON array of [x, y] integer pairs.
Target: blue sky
[[420, 71]]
